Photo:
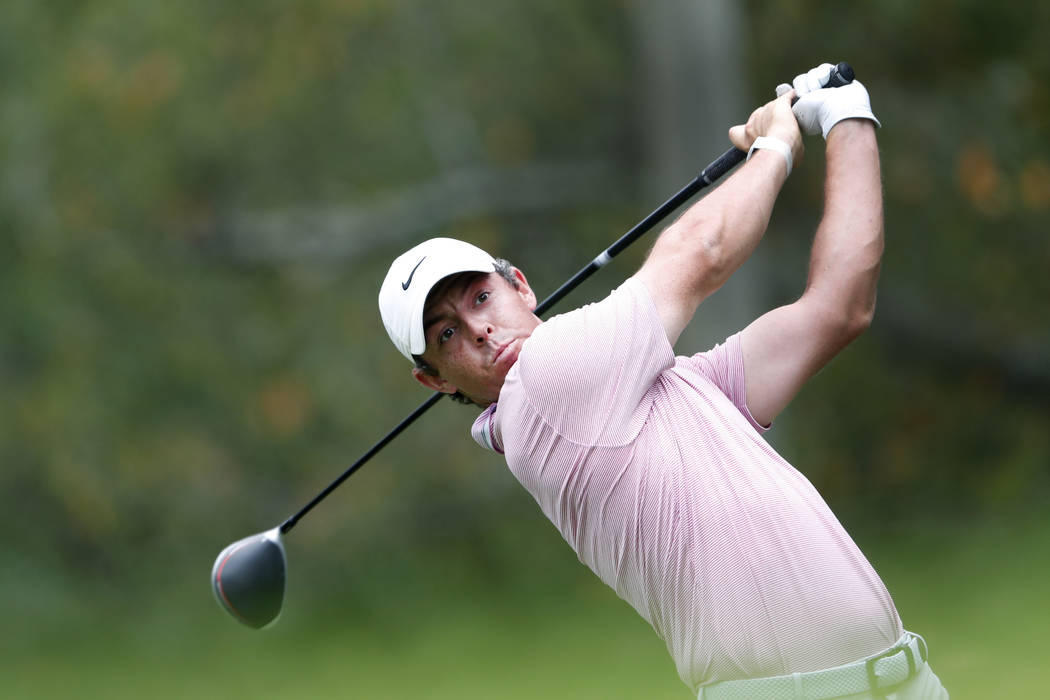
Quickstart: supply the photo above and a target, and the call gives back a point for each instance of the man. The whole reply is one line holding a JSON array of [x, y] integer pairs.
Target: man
[[652, 466]]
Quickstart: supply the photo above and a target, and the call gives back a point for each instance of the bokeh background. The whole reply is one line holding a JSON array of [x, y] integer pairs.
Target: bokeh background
[[199, 200]]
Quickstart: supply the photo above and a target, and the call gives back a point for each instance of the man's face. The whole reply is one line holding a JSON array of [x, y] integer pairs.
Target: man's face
[[475, 326]]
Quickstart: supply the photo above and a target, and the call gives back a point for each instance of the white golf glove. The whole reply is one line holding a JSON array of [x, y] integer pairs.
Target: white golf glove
[[819, 108]]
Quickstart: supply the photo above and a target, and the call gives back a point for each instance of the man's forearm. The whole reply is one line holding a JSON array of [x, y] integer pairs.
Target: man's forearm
[[730, 222], [711, 240], [847, 249], [699, 251]]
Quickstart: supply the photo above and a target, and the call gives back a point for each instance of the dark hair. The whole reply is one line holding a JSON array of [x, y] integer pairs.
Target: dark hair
[[506, 271]]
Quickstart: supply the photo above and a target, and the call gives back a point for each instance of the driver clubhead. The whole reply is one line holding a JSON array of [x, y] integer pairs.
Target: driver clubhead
[[248, 578]]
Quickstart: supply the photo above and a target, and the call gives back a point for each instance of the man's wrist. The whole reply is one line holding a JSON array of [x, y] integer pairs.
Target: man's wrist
[[851, 128], [773, 143], [860, 123]]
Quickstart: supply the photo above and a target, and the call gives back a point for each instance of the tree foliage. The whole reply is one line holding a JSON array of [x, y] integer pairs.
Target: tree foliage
[[166, 390]]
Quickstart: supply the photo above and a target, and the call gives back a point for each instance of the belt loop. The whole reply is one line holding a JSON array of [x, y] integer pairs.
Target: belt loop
[[911, 660], [924, 651], [873, 679], [796, 679]]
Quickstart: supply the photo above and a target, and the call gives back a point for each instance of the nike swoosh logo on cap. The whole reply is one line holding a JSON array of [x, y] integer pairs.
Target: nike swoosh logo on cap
[[406, 283]]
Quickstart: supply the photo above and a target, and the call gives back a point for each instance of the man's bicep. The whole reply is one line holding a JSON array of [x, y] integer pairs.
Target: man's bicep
[[782, 350]]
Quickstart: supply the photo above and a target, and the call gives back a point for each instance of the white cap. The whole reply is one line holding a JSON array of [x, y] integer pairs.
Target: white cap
[[410, 279]]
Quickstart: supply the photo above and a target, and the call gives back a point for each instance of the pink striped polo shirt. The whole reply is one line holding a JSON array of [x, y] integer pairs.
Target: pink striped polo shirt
[[653, 470]]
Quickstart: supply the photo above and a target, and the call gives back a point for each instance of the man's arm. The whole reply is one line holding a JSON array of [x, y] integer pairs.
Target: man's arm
[[785, 347], [696, 254]]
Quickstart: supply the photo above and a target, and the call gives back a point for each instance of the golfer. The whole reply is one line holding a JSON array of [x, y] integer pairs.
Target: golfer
[[652, 466]]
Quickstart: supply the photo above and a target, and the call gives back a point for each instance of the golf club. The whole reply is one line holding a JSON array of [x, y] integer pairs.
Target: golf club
[[248, 578]]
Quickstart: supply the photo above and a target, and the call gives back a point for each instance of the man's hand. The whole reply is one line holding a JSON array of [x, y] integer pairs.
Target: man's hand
[[774, 119], [819, 108]]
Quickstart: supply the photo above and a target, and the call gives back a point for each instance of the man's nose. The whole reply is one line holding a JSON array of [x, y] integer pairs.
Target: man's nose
[[481, 331]]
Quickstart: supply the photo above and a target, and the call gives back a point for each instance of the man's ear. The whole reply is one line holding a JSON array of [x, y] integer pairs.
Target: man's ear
[[524, 289], [434, 382]]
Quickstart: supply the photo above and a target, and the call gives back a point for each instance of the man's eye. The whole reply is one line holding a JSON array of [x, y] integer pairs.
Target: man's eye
[[445, 335], [483, 297]]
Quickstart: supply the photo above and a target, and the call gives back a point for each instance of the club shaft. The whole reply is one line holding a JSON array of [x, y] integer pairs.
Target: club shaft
[[409, 420], [841, 75], [719, 167]]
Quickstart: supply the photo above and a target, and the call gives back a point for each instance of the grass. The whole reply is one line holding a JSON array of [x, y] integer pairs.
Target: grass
[[977, 593], [451, 648]]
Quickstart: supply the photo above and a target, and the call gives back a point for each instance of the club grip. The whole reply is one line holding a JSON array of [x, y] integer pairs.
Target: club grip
[[841, 74], [720, 166]]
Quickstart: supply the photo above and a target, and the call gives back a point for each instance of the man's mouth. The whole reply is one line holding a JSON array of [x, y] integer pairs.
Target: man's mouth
[[507, 353]]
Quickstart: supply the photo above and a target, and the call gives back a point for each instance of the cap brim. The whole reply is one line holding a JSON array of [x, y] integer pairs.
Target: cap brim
[[410, 279]]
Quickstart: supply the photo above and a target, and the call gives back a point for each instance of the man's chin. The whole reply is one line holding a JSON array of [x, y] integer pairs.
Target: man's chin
[[484, 397]]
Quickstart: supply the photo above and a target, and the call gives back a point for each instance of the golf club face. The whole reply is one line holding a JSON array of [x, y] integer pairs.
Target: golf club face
[[248, 578]]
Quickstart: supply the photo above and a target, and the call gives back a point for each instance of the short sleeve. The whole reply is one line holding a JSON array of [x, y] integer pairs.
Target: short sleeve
[[724, 366], [589, 373]]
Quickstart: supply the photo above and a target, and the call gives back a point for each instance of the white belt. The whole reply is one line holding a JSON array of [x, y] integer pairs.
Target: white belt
[[877, 674]]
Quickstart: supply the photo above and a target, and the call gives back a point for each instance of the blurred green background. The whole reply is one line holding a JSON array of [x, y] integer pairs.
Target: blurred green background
[[199, 200]]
